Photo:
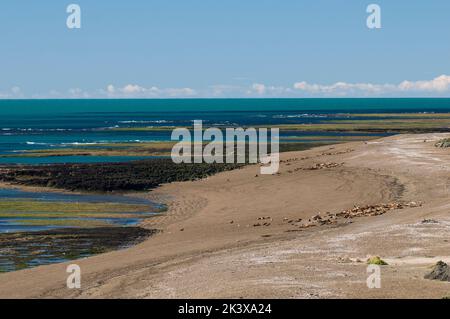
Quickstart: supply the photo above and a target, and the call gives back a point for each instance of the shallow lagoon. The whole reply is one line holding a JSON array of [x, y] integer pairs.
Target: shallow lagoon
[[19, 223], [32, 241]]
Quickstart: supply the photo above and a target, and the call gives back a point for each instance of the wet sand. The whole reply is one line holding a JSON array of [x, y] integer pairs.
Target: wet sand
[[213, 241]]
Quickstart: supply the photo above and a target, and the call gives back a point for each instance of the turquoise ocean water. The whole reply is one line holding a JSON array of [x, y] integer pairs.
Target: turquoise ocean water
[[47, 124]]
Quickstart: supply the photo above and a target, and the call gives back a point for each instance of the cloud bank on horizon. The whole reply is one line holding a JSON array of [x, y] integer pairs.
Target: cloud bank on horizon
[[437, 87]]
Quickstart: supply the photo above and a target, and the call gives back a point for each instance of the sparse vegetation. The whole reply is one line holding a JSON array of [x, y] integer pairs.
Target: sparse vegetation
[[376, 260], [443, 143]]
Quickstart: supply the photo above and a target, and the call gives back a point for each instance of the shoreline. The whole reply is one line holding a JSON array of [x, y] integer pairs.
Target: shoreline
[[40, 227], [209, 232]]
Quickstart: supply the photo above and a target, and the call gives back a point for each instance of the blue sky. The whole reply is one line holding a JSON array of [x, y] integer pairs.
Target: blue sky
[[201, 48]]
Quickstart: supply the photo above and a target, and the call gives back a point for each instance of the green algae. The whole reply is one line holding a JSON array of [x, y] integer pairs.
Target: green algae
[[25, 206], [376, 260]]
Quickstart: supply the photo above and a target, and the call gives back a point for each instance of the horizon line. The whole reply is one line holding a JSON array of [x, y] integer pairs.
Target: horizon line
[[228, 98]]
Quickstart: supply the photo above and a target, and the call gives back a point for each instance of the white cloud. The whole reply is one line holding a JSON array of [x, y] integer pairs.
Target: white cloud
[[14, 93], [133, 89], [268, 90], [78, 93], [224, 90], [259, 88], [180, 92], [110, 89], [343, 88], [137, 91], [440, 84], [16, 90]]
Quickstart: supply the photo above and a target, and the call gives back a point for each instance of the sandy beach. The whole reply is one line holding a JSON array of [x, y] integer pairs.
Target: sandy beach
[[238, 234]]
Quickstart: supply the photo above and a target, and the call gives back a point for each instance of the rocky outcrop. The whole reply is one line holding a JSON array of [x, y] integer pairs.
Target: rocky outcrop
[[443, 143], [441, 271]]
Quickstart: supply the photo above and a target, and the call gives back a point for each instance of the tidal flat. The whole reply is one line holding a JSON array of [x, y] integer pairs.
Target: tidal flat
[[154, 150], [132, 149], [21, 250], [39, 228], [345, 122]]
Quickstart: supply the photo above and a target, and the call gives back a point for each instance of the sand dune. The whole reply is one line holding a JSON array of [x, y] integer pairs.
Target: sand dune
[[239, 234]]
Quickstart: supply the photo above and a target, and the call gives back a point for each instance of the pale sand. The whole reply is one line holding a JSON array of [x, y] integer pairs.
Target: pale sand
[[201, 254]]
